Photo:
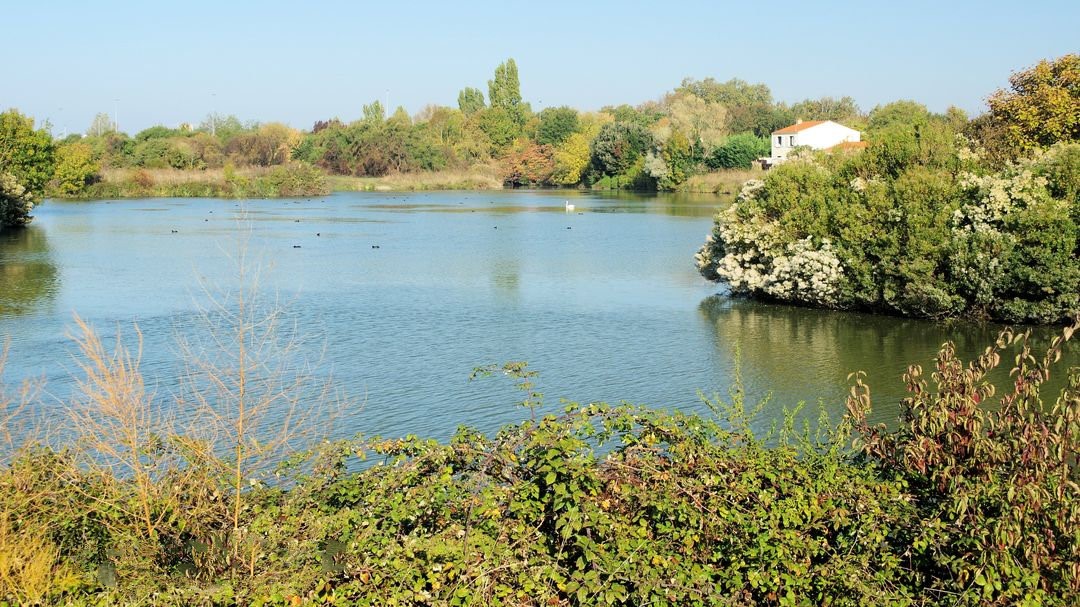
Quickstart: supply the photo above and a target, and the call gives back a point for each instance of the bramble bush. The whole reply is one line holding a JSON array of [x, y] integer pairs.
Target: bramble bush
[[971, 500]]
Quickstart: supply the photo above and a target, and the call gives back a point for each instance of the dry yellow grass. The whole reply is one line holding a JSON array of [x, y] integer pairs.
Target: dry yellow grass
[[170, 177], [29, 565], [725, 183], [477, 177]]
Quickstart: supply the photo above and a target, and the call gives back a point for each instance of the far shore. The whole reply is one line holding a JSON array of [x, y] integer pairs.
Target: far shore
[[276, 182]]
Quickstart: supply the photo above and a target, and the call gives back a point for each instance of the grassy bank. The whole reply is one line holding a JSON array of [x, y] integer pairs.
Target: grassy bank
[[967, 502], [725, 183], [478, 177], [295, 179]]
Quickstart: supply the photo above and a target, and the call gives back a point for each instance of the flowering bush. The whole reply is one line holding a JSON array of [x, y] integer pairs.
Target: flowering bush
[[931, 235]]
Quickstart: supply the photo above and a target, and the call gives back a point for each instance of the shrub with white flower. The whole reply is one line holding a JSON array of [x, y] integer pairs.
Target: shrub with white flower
[[994, 196], [751, 255], [16, 201]]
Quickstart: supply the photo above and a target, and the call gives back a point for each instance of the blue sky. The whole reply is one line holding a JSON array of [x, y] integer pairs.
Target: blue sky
[[299, 61]]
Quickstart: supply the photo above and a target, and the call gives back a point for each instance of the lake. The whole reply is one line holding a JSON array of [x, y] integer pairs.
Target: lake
[[399, 296]]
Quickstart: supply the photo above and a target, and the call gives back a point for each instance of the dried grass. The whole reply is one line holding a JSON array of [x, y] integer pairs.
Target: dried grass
[[724, 183], [175, 177], [477, 177]]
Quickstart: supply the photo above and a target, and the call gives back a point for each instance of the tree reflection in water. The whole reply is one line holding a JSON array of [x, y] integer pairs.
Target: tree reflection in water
[[28, 277], [803, 354]]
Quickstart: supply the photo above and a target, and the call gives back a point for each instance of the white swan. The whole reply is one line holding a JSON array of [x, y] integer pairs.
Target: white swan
[[569, 207]]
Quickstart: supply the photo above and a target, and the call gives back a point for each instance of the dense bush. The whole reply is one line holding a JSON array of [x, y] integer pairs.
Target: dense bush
[[915, 226], [26, 165], [967, 502], [739, 152]]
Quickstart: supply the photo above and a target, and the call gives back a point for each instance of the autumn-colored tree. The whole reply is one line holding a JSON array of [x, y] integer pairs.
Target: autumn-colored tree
[[528, 164], [571, 160], [75, 168], [1042, 104], [704, 123]]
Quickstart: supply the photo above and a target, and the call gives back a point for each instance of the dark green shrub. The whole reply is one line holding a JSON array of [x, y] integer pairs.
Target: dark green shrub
[[739, 152]]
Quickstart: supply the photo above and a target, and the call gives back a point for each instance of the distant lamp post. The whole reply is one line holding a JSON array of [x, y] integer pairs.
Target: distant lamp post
[[115, 120]]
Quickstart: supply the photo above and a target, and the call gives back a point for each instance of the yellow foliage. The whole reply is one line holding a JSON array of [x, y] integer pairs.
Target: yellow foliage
[[29, 567], [571, 159]]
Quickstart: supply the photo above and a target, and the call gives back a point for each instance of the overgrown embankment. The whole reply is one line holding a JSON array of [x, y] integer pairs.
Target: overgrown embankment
[[972, 500], [294, 179], [477, 177]]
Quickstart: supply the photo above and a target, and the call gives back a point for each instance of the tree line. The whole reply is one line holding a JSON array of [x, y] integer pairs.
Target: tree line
[[700, 126]]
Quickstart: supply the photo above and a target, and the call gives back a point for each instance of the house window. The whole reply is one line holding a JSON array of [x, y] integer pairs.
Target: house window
[[779, 140], [791, 140]]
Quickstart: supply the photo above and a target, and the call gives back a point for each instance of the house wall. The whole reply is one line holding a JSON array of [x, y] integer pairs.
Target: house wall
[[781, 145], [818, 137], [826, 135]]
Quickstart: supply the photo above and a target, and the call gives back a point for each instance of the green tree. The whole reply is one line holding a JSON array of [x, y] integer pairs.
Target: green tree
[[843, 110], [500, 127], [504, 90], [904, 113], [739, 152], [470, 101], [374, 112], [750, 106], [618, 146], [224, 127], [26, 165], [156, 132], [1042, 105], [645, 115], [556, 125]]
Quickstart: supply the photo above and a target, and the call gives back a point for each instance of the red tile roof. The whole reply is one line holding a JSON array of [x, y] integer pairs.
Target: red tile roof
[[795, 128], [845, 146]]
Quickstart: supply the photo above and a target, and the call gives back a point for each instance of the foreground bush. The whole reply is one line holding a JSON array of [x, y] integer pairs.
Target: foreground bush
[[967, 502]]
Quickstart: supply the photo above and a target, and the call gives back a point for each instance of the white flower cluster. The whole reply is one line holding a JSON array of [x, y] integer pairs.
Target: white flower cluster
[[750, 189], [15, 199], [656, 167], [995, 197], [750, 255]]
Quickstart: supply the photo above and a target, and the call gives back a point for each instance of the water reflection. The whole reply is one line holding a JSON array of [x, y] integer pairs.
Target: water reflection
[[28, 277], [675, 204], [802, 354]]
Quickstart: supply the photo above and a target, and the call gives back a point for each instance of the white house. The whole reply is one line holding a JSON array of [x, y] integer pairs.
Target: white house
[[814, 134]]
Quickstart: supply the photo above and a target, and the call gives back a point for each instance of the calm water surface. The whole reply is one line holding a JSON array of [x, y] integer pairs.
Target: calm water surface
[[402, 295]]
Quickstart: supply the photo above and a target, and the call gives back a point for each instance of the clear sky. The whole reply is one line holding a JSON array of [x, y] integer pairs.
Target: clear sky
[[298, 61]]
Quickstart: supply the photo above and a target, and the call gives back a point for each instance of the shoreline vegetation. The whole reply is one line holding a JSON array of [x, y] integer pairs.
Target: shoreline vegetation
[[971, 499], [933, 219], [294, 179], [298, 179]]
